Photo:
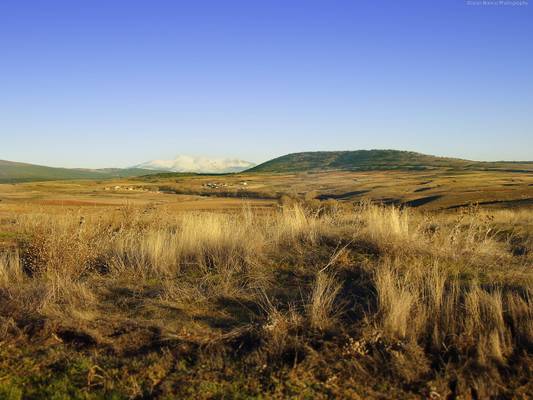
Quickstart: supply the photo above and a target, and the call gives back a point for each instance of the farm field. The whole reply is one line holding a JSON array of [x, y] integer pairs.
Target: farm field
[[434, 190]]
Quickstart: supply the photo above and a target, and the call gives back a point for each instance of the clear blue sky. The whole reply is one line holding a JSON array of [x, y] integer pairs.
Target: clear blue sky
[[96, 83]]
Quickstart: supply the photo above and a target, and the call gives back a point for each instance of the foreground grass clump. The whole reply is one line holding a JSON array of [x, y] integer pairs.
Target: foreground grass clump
[[314, 300]]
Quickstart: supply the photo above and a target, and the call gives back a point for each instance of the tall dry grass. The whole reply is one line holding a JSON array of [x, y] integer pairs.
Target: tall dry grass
[[430, 306], [323, 308], [450, 285]]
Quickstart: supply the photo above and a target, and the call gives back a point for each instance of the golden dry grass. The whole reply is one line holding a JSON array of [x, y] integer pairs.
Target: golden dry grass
[[346, 300]]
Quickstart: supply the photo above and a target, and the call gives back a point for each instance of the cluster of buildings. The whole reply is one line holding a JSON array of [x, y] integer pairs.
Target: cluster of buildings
[[128, 188], [217, 185]]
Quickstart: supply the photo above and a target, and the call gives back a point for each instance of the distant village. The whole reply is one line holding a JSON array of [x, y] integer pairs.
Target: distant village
[[208, 185], [126, 188], [216, 185]]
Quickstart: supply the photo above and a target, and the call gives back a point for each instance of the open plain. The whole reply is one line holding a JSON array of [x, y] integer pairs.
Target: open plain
[[377, 284]]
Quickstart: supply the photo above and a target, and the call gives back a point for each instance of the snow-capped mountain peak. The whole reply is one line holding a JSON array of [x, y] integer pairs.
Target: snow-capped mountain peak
[[198, 164]]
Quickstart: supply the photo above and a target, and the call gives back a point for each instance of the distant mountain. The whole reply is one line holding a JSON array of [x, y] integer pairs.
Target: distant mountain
[[359, 160], [185, 163], [376, 160], [14, 172]]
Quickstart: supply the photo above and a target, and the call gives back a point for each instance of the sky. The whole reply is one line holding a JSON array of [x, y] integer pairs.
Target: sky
[[113, 83]]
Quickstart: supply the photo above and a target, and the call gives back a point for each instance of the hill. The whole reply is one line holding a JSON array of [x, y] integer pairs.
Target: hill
[[14, 172], [377, 160]]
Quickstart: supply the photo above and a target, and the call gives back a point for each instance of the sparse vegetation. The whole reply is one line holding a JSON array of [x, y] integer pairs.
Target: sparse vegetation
[[368, 160], [309, 300]]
